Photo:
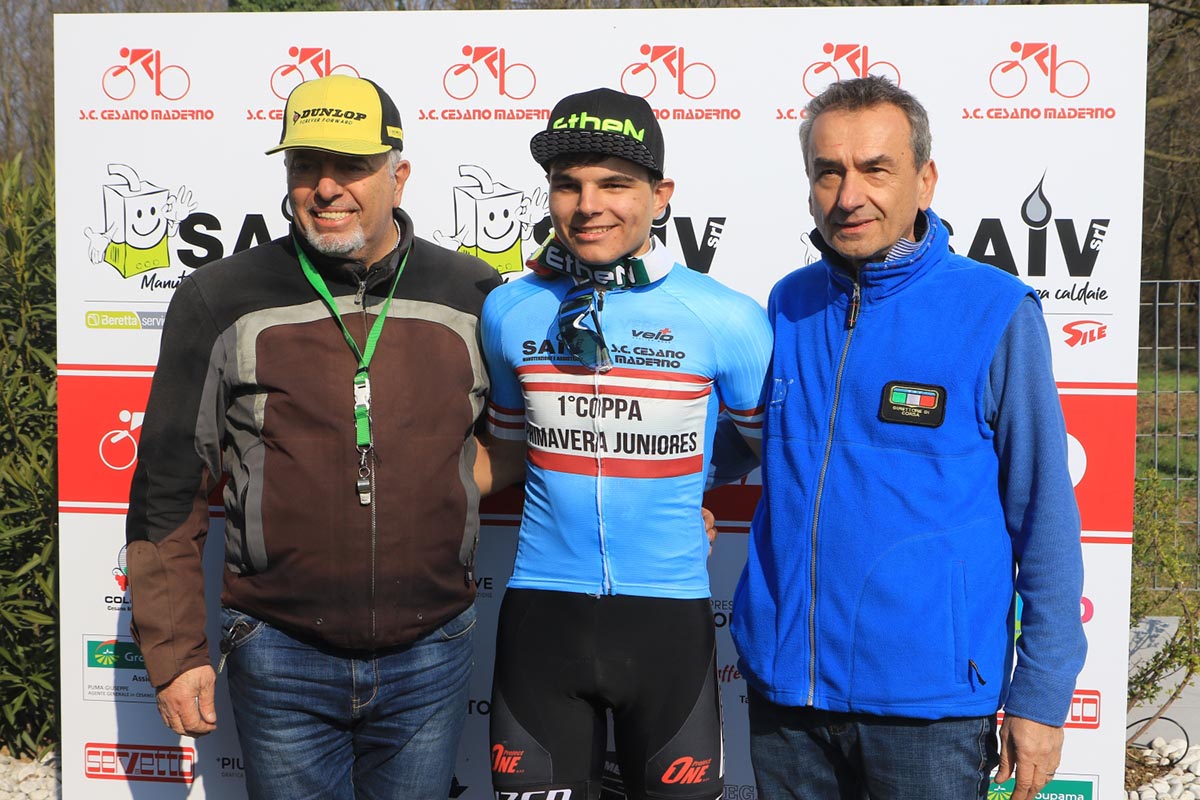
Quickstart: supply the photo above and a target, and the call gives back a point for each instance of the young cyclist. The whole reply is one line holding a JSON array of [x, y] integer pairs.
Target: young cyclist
[[611, 364]]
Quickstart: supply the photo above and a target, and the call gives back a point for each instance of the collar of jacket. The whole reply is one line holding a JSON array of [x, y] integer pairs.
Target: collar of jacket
[[341, 270], [881, 279]]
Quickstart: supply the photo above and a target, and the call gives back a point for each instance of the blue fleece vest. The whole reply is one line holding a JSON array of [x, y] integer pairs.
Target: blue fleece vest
[[879, 575]]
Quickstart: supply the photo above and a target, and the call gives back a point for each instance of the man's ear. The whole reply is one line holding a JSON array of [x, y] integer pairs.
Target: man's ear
[[403, 170], [663, 191], [926, 182]]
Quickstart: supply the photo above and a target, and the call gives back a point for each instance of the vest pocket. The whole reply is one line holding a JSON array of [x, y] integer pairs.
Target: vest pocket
[[958, 619]]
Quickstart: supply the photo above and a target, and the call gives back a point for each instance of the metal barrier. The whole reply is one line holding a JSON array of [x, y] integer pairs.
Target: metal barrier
[[1168, 415]]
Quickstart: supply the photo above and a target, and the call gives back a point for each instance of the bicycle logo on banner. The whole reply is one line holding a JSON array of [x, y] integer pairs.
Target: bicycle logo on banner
[[641, 79], [1068, 78], [855, 60], [516, 80], [120, 80], [319, 61], [119, 447]]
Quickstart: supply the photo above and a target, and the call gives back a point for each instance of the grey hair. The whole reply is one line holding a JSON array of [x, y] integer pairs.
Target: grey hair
[[857, 94], [395, 156]]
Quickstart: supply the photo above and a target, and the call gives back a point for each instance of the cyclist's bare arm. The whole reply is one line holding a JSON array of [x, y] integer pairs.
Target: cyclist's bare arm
[[498, 463]]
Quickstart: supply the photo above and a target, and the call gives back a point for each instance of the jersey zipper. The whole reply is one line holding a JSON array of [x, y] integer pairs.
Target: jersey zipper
[[598, 429], [851, 322]]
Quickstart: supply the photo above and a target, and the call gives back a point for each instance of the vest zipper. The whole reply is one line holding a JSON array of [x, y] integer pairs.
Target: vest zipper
[[851, 322]]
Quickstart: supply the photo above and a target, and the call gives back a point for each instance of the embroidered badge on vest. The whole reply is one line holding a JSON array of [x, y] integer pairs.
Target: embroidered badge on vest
[[913, 404]]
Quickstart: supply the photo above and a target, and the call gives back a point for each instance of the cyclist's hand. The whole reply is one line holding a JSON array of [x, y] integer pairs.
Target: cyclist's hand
[[710, 527], [98, 242], [179, 206]]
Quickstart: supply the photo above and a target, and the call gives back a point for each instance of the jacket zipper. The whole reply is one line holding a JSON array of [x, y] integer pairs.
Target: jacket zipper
[[851, 322]]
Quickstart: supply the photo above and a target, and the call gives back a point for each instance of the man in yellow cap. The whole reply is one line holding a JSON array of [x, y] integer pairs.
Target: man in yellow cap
[[333, 378]]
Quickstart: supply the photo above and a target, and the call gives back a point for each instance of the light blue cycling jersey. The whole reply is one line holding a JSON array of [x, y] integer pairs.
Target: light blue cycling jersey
[[617, 461]]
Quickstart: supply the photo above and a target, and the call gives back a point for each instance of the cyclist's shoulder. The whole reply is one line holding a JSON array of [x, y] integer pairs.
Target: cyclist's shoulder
[[520, 300], [709, 298]]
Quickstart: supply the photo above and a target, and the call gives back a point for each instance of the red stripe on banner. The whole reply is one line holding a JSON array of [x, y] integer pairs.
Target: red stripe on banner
[[617, 467], [105, 368], [1106, 539], [620, 391], [1090, 385], [214, 512], [615, 372]]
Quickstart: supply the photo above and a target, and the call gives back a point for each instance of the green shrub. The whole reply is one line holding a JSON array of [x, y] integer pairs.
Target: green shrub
[[28, 436], [1164, 557]]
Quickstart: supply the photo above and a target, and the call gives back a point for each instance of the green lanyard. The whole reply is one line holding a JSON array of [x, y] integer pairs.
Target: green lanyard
[[362, 381]]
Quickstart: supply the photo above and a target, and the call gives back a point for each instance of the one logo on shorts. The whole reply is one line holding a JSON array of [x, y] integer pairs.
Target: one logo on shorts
[[507, 762], [685, 770]]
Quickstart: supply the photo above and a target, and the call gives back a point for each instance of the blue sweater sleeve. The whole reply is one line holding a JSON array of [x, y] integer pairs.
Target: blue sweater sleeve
[[1022, 406]]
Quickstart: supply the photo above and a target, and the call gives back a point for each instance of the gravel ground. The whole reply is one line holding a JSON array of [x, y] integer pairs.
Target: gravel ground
[[30, 780], [1181, 781], [40, 780]]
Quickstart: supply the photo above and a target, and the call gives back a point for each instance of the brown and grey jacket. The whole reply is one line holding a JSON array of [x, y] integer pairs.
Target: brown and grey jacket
[[254, 384]]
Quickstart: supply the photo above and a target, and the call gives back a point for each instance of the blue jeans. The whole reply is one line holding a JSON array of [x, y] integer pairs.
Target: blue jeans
[[328, 726], [823, 755]]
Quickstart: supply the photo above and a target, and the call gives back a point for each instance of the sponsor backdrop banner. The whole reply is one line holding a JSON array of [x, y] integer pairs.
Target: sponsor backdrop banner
[[1038, 123]]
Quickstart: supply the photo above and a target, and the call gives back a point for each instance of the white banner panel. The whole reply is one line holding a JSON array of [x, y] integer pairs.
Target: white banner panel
[[1038, 121]]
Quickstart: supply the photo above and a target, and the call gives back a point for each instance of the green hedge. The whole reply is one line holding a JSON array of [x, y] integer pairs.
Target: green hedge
[[28, 437]]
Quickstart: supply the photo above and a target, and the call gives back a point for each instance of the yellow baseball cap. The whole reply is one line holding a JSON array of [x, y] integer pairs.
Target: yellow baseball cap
[[340, 114]]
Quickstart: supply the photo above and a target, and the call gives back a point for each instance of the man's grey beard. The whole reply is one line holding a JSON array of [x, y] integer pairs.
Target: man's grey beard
[[336, 245]]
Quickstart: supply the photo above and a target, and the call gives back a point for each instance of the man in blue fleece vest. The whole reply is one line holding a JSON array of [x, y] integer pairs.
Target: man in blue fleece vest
[[914, 483]]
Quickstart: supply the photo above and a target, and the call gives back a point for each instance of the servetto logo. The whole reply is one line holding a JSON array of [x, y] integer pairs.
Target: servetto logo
[[512, 79], [139, 762], [1085, 709], [693, 79], [1084, 713], [145, 65], [1065, 77]]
